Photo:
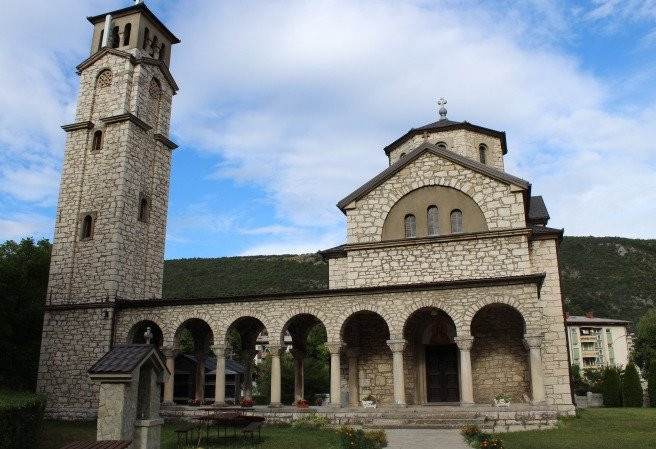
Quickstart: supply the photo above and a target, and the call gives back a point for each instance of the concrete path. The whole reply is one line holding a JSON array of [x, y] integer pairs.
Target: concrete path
[[425, 439]]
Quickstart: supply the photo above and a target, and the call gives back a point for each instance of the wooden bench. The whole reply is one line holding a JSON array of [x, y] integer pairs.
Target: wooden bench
[[250, 428], [107, 444], [185, 430]]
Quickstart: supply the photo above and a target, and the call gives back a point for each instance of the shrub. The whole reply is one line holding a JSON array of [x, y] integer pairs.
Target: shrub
[[310, 422], [612, 387], [579, 385], [651, 382], [631, 387], [351, 438], [21, 418], [475, 438]]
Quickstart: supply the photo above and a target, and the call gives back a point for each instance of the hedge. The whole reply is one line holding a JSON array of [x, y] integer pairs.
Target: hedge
[[21, 419], [651, 382]]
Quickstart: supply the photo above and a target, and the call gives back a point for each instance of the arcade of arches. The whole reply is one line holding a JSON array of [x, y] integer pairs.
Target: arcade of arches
[[428, 356]]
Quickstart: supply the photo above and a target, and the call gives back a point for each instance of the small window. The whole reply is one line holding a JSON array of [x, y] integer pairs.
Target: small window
[[102, 35], [432, 221], [143, 209], [146, 38], [456, 221], [410, 226], [126, 33], [162, 52], [482, 153], [87, 227], [116, 40], [96, 145], [441, 145]]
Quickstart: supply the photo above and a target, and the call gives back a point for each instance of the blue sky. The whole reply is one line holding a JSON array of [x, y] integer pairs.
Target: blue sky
[[284, 108]]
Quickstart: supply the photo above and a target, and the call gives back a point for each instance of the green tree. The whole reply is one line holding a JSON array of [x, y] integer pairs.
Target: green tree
[[612, 387], [651, 382], [23, 286], [645, 340], [631, 388], [579, 385]]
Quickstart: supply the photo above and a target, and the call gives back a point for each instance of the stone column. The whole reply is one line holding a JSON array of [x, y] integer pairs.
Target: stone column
[[200, 376], [274, 352], [335, 381], [533, 343], [465, 343], [299, 387], [354, 387], [397, 347], [247, 356], [169, 353], [219, 383]]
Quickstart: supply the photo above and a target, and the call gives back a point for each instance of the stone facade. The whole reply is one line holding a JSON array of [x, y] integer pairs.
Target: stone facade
[[485, 303]]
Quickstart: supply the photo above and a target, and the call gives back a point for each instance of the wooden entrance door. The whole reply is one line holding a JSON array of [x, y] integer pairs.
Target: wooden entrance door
[[442, 373]]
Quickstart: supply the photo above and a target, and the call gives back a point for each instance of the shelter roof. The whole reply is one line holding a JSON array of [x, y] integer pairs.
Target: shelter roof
[[123, 359]]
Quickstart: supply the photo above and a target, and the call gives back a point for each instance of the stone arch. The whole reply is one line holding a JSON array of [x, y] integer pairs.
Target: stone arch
[[502, 300], [181, 320], [303, 310], [440, 304], [227, 322], [394, 324], [104, 77], [125, 332]]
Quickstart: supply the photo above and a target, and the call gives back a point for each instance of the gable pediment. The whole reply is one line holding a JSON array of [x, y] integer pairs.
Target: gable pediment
[[427, 148]]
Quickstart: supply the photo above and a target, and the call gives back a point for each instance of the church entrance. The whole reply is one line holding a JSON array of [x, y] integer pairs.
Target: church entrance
[[442, 373]]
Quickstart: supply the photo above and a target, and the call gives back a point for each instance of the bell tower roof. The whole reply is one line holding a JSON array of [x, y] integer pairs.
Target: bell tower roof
[[138, 8]]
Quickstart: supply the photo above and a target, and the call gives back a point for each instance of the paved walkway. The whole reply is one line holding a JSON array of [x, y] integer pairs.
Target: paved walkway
[[425, 439]]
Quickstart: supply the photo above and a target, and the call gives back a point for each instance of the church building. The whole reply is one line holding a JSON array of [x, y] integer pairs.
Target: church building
[[447, 290]]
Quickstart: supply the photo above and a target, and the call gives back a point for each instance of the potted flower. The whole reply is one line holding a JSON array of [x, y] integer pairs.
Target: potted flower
[[246, 403], [368, 401], [302, 403], [318, 400], [194, 402], [502, 400]]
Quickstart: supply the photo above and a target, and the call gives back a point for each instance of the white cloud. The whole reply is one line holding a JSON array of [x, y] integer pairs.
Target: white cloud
[[15, 226]]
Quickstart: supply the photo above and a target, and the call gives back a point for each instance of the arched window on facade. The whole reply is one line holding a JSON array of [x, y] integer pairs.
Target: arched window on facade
[[87, 227], [456, 221], [116, 40], [432, 221], [162, 52], [482, 153], [96, 144], [143, 209], [146, 38], [441, 145], [126, 33], [154, 46], [410, 226], [102, 34]]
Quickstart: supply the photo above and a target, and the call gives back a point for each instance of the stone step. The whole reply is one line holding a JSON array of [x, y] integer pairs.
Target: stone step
[[426, 423]]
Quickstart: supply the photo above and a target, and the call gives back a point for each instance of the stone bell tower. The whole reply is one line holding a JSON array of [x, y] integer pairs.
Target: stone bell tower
[[113, 199]]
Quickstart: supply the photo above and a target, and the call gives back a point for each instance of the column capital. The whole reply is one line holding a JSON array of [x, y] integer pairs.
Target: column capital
[[353, 352], [334, 347], [397, 345], [275, 350], [297, 353], [533, 341], [464, 342], [219, 349], [169, 351]]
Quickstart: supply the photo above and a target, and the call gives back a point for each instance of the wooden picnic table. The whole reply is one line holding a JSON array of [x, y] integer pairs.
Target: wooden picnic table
[[227, 419], [108, 444], [223, 408]]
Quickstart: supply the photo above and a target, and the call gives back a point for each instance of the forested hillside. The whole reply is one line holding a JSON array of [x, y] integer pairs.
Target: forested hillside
[[614, 277]]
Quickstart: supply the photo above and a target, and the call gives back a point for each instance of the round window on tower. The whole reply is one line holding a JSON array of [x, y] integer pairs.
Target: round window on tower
[[104, 78], [155, 88]]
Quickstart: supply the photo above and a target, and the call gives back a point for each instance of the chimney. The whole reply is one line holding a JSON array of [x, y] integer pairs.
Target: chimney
[[589, 315]]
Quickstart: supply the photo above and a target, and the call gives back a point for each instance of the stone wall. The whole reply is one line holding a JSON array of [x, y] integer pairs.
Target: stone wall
[[436, 260], [499, 359], [502, 207], [459, 141], [72, 342]]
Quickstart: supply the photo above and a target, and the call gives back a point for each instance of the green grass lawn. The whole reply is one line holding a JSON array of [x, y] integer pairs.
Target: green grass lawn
[[57, 434], [606, 428]]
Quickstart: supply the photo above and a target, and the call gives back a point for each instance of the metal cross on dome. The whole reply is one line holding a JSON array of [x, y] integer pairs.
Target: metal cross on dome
[[442, 110]]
